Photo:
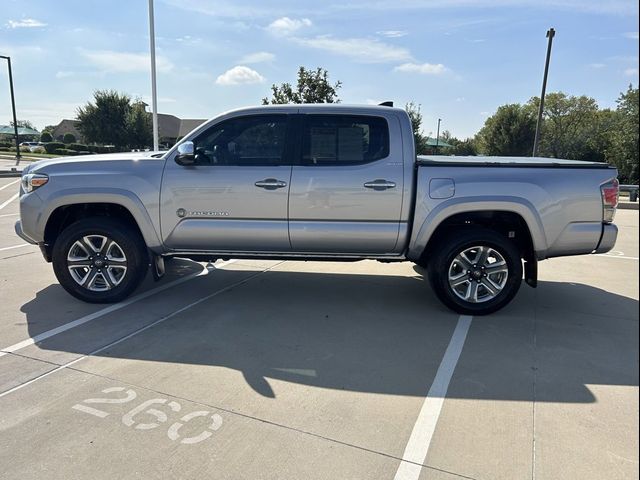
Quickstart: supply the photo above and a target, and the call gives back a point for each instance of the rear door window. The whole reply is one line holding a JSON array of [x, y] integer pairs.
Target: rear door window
[[344, 139]]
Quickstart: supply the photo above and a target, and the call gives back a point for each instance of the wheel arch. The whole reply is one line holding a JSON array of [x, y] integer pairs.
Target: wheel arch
[[519, 224], [65, 213]]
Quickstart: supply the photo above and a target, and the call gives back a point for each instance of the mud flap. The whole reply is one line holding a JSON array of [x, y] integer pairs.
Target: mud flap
[[531, 273], [157, 267]]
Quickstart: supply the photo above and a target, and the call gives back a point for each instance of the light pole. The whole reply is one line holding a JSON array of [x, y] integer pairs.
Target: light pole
[[13, 107], [154, 94], [550, 34], [438, 135]]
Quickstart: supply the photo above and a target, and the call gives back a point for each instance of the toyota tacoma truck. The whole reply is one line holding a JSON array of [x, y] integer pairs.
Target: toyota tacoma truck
[[315, 182]]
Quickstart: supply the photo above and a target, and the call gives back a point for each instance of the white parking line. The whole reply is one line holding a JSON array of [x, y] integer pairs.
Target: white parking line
[[622, 257], [101, 313], [9, 184], [9, 201], [9, 215], [142, 329], [417, 448], [16, 246]]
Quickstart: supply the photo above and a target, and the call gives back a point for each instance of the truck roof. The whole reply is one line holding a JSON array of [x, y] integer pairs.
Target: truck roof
[[316, 107]]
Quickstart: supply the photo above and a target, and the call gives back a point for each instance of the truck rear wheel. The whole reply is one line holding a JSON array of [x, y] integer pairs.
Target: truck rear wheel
[[475, 271], [99, 260]]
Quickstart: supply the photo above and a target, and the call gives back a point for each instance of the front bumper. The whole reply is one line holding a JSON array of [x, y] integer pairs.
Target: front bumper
[[43, 248], [22, 235], [608, 239]]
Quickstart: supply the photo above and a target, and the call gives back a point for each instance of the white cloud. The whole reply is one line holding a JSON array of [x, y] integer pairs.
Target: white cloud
[[632, 35], [286, 26], [258, 57], [112, 61], [359, 49], [26, 23], [224, 8], [631, 72], [423, 68], [239, 75], [393, 33]]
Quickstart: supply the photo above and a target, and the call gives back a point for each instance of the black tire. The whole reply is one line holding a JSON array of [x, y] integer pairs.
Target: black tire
[[460, 240], [127, 240]]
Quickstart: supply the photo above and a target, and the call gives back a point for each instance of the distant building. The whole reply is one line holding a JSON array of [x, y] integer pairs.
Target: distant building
[[67, 126], [170, 128]]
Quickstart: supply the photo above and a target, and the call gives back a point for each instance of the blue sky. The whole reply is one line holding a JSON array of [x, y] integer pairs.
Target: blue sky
[[459, 59]]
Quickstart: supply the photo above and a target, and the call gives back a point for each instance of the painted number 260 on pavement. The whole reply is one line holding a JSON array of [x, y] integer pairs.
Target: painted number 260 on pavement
[[148, 415]]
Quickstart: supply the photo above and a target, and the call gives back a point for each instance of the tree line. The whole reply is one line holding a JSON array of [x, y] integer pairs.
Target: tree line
[[573, 127]]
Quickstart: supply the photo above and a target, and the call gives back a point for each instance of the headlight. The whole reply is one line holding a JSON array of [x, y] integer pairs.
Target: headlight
[[31, 181]]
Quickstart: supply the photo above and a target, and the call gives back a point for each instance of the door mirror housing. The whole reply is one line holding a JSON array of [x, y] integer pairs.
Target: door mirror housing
[[186, 154]]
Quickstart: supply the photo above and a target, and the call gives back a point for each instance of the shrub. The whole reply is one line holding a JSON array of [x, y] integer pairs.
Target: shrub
[[51, 147], [7, 144], [76, 146], [69, 138], [65, 152], [4, 149], [39, 150], [25, 149], [46, 137], [92, 148]]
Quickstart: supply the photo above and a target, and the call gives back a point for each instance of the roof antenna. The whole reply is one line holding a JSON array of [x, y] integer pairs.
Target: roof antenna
[[386, 104]]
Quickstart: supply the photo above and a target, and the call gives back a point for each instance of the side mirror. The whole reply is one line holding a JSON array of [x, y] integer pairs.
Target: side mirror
[[186, 156]]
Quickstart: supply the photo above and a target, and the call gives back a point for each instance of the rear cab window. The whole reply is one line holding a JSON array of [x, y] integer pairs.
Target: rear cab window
[[344, 139]]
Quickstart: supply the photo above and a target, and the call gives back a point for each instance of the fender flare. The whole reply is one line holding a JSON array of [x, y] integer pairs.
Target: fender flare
[[447, 209], [116, 196]]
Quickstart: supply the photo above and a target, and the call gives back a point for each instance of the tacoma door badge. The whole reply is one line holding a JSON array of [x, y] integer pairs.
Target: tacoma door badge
[[181, 212]]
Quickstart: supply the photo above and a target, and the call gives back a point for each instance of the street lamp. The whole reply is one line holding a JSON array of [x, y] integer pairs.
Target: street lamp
[[13, 107], [438, 135], [550, 34], [154, 94]]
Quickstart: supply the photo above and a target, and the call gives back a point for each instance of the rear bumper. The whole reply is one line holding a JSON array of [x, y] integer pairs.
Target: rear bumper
[[608, 239]]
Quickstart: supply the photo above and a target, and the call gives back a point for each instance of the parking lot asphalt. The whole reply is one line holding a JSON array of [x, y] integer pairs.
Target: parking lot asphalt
[[264, 369]]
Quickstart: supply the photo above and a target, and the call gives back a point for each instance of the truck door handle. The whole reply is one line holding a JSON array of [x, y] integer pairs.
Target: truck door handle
[[270, 184], [380, 184]]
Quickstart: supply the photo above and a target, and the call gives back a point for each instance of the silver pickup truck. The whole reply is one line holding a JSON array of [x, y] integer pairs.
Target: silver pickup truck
[[321, 182]]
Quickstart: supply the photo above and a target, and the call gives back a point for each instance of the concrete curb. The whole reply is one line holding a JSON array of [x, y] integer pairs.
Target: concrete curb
[[10, 173], [628, 205]]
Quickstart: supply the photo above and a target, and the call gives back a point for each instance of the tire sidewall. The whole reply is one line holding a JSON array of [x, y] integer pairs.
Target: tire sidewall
[[131, 244], [456, 243]]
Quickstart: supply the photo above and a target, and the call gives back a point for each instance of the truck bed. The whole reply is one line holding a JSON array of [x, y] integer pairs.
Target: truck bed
[[513, 162]]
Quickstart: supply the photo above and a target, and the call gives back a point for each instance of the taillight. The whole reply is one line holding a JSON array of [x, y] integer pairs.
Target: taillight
[[609, 191]]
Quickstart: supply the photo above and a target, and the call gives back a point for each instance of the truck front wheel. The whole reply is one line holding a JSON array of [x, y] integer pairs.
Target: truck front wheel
[[475, 271], [99, 260]]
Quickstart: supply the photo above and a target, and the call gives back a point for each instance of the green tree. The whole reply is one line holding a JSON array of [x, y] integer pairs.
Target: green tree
[[312, 87], [69, 138], [413, 110], [623, 149], [46, 137], [510, 131], [139, 126], [570, 128], [459, 147], [105, 120]]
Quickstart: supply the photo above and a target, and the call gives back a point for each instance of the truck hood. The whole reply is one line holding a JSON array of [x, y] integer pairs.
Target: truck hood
[[89, 161]]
